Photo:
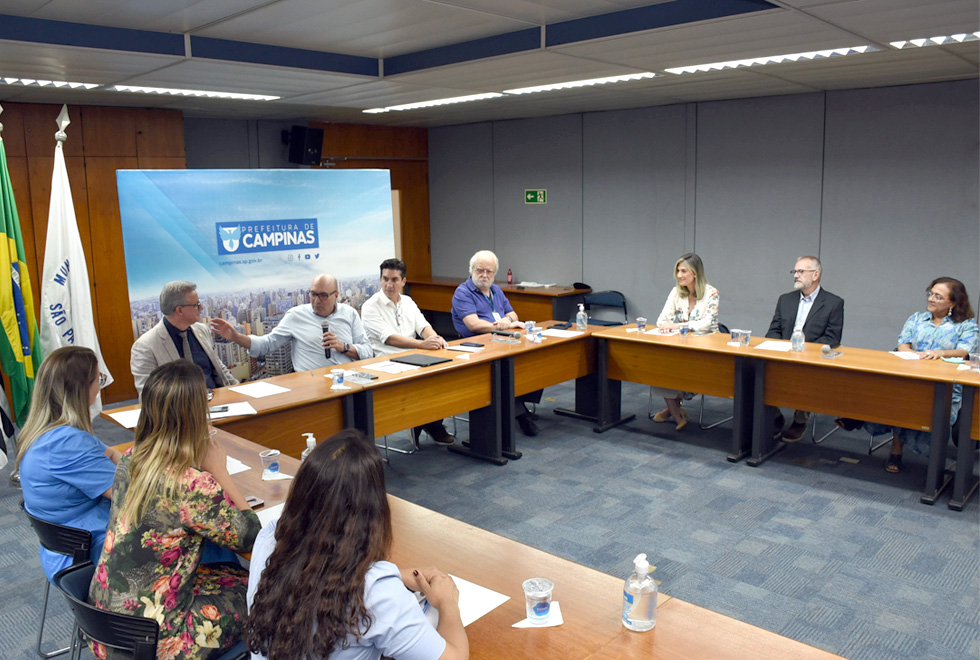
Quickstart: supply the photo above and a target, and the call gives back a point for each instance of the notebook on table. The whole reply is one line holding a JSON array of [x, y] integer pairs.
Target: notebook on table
[[419, 360]]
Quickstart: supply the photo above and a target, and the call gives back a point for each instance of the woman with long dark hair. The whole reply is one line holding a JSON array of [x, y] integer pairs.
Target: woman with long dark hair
[[171, 495], [320, 585]]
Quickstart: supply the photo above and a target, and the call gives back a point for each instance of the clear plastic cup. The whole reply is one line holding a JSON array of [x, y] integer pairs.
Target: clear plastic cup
[[641, 324], [684, 330], [746, 336], [338, 377], [537, 599], [270, 461], [736, 339], [974, 361]]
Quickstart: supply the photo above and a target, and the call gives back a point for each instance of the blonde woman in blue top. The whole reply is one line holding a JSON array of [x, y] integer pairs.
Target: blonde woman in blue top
[[947, 329]]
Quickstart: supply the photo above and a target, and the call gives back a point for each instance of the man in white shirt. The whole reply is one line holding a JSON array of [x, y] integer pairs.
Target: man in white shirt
[[394, 324], [313, 329]]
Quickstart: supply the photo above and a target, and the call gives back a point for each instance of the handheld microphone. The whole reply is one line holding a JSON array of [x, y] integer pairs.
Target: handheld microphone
[[504, 333], [326, 328]]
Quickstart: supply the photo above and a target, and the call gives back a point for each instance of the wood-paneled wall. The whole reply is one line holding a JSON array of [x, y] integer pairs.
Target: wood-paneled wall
[[404, 152], [100, 141]]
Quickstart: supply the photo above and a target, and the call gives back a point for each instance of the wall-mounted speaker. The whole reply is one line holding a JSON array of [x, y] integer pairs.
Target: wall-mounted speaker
[[305, 145]]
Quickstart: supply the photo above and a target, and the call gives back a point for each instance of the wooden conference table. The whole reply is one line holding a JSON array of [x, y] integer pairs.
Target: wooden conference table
[[530, 303], [965, 482], [591, 601], [862, 384], [483, 383]]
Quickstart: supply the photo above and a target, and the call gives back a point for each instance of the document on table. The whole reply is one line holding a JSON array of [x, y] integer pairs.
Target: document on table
[[235, 409], [554, 332], [259, 389], [772, 345], [657, 331], [474, 602], [905, 355], [389, 367], [235, 466], [126, 418], [270, 513], [536, 284], [465, 349]]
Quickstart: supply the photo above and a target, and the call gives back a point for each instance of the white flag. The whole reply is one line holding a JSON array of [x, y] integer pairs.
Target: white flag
[[66, 303]]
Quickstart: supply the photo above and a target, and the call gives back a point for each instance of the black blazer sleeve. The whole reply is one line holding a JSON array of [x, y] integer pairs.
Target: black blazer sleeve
[[776, 328]]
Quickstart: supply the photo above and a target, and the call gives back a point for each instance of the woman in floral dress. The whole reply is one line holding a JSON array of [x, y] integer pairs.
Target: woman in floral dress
[[170, 495]]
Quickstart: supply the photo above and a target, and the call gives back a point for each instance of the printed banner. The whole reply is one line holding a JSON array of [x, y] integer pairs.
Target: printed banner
[[252, 241]]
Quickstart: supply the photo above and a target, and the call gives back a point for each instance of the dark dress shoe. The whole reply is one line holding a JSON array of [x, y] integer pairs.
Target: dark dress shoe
[[794, 432], [528, 427], [777, 427], [439, 434]]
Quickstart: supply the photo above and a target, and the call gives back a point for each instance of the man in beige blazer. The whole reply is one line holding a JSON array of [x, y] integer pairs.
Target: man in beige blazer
[[180, 330]]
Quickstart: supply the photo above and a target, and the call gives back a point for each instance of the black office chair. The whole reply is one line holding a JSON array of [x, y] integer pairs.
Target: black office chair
[[62, 540], [612, 299], [136, 635]]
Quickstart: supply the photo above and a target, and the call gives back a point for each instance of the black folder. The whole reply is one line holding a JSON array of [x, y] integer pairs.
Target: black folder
[[420, 360]]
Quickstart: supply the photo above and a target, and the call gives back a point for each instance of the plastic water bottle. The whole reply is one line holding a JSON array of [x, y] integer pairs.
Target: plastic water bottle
[[581, 319], [797, 341], [510, 276], [310, 446], [640, 597]]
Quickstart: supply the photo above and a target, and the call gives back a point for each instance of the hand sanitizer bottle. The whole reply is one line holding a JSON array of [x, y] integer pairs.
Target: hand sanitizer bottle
[[640, 597], [310, 446], [581, 319]]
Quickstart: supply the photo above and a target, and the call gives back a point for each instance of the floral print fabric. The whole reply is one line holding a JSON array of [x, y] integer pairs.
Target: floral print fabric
[[152, 569]]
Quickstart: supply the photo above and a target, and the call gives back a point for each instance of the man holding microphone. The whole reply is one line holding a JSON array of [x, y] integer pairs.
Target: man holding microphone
[[322, 333]]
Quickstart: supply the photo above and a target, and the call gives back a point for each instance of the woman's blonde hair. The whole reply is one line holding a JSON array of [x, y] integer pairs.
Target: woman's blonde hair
[[61, 395], [171, 435], [694, 264]]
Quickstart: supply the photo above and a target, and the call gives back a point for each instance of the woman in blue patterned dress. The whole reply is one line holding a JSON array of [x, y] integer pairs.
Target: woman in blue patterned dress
[[947, 329]]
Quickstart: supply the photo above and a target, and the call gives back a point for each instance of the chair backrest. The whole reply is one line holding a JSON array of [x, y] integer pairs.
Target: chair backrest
[[723, 329], [71, 541], [126, 632], [607, 299]]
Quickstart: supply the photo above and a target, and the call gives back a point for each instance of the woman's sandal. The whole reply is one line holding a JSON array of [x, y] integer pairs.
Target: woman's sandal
[[662, 416], [894, 463]]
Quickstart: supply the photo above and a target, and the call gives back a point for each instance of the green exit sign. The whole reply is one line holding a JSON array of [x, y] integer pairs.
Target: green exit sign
[[535, 196]]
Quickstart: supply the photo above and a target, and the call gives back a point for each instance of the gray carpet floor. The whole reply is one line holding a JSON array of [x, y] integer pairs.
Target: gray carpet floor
[[819, 544]]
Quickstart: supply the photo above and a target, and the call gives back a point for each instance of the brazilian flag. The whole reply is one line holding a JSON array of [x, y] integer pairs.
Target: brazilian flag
[[20, 353]]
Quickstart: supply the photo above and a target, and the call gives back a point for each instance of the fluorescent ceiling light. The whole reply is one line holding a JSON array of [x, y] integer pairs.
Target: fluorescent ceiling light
[[31, 82], [580, 83], [435, 102], [936, 41], [192, 92], [772, 59]]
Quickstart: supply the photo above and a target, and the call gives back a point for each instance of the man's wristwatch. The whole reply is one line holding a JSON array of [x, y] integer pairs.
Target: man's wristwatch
[[346, 347]]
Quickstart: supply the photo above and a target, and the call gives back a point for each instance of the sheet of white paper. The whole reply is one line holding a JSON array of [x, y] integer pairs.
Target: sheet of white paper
[[274, 476], [268, 514], [235, 466], [465, 349], [475, 601], [389, 367], [552, 332], [773, 345], [631, 329], [656, 331], [536, 284], [259, 389], [127, 418], [235, 409], [554, 619], [905, 355]]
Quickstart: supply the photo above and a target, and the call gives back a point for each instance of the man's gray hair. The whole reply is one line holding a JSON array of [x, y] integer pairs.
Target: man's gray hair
[[484, 253], [173, 294], [814, 262]]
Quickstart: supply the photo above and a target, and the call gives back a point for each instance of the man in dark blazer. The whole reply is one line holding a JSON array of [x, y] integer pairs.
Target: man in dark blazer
[[821, 316], [179, 329]]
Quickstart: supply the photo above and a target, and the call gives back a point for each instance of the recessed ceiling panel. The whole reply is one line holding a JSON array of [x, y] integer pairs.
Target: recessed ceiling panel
[[540, 12], [25, 60], [369, 28], [769, 33], [891, 20], [244, 78], [168, 16]]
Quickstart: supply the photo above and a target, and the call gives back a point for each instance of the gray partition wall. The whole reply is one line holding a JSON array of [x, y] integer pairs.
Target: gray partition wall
[[880, 183]]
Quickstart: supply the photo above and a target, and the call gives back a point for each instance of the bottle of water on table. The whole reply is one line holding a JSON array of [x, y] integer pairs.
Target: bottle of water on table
[[640, 597]]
